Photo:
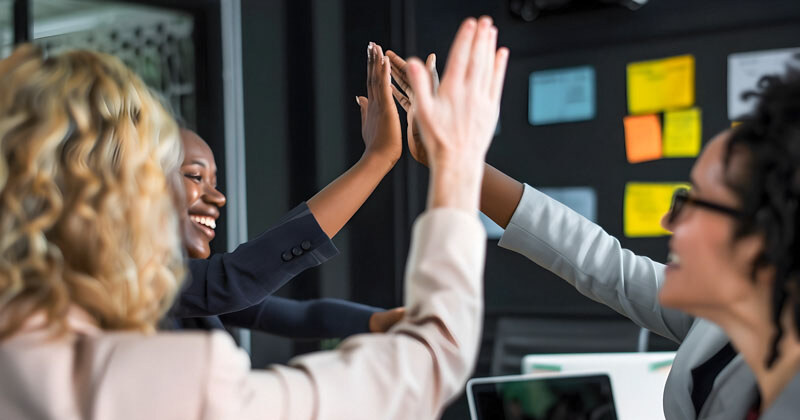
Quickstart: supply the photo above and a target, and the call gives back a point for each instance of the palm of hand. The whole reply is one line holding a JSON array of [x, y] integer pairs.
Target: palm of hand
[[380, 122], [381, 129]]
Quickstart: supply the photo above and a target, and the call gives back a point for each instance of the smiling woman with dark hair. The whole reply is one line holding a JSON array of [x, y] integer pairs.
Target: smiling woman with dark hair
[[237, 285]]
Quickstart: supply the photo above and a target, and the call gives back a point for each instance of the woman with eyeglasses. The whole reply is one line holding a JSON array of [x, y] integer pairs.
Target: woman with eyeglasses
[[728, 293]]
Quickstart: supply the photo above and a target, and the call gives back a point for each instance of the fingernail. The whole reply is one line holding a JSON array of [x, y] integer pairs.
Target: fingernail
[[357, 101]]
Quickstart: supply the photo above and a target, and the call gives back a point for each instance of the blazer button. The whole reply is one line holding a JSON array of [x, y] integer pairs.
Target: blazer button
[[286, 256], [297, 251], [306, 245]]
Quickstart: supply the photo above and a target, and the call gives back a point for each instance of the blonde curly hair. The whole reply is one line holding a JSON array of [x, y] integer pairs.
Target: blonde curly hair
[[87, 217]]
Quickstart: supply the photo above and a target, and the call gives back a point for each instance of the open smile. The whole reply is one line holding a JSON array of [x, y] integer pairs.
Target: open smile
[[204, 224]]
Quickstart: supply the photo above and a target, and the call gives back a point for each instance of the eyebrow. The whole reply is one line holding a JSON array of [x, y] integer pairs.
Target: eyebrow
[[198, 162]]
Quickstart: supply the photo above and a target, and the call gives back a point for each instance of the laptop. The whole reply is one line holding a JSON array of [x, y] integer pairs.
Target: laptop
[[638, 378], [549, 396]]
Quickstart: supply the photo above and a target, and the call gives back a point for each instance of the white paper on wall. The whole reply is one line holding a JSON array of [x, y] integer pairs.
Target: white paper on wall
[[746, 69]]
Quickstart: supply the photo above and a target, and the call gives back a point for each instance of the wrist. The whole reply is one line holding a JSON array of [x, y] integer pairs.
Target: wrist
[[457, 186], [378, 161]]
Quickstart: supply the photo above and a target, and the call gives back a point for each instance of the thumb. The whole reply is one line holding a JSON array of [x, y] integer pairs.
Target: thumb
[[363, 103]]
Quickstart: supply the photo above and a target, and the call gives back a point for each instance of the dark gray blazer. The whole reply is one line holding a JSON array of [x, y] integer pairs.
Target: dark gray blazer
[[235, 285]]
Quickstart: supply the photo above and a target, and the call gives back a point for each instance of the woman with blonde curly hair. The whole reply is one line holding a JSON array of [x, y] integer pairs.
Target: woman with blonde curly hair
[[90, 258]]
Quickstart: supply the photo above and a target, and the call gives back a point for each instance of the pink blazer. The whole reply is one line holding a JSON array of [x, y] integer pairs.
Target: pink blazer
[[409, 373]]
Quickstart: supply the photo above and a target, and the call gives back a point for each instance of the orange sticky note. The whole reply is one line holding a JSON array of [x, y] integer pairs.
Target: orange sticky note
[[642, 138]]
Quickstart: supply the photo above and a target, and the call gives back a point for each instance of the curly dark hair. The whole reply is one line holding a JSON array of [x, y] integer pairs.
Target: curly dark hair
[[768, 185]]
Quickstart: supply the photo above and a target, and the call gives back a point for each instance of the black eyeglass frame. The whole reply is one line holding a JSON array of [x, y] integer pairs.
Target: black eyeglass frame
[[681, 197]]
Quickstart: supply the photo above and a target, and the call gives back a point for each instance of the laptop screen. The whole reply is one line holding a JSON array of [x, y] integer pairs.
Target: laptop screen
[[543, 398]]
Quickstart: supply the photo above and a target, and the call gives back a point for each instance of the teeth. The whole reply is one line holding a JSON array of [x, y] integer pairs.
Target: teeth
[[204, 220], [673, 258]]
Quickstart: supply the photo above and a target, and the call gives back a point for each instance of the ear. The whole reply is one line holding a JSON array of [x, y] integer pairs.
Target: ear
[[746, 251]]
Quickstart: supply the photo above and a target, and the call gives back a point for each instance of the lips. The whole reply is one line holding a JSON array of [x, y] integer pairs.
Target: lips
[[204, 224], [673, 260]]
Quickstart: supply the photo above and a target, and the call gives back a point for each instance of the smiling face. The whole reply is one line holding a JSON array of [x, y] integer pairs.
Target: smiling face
[[709, 271], [203, 200]]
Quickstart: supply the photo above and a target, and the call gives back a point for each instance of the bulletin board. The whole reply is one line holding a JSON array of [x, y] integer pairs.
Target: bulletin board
[[592, 153]]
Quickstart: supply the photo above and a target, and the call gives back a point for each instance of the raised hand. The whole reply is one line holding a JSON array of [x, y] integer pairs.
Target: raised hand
[[405, 95], [380, 122], [458, 120]]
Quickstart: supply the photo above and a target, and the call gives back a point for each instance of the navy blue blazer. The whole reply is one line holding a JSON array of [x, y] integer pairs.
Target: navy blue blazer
[[234, 285]]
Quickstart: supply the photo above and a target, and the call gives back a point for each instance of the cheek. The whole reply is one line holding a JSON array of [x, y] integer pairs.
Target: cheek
[[192, 192], [709, 276]]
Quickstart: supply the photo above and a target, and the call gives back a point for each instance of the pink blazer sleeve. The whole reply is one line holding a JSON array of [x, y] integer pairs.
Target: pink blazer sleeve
[[410, 372]]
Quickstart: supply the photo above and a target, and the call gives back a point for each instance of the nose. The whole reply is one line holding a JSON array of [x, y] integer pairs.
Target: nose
[[214, 196], [665, 222]]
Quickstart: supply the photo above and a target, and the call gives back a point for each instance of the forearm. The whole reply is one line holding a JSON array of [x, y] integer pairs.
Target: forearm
[[318, 318], [234, 281], [500, 195], [423, 361], [338, 202]]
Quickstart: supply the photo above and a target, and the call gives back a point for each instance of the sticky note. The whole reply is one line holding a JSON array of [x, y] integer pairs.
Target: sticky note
[[660, 85], [493, 230], [642, 138], [581, 199], [682, 133], [746, 69], [561, 95], [645, 204]]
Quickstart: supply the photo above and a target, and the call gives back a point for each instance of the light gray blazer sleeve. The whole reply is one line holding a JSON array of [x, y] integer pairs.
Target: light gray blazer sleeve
[[582, 253]]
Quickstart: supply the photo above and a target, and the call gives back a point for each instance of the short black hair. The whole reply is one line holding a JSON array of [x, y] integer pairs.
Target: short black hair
[[768, 187]]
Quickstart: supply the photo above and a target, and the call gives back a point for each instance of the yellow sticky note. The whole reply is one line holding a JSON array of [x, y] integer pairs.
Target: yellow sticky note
[[682, 133], [642, 138], [645, 205], [660, 85]]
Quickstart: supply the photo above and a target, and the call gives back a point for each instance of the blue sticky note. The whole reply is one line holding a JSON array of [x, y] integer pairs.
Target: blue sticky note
[[581, 199], [561, 95]]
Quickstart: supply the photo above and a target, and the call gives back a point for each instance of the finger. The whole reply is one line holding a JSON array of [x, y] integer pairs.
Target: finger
[[499, 74], [420, 81], [397, 62], [478, 59], [401, 99], [370, 76], [398, 70], [430, 63], [458, 58], [363, 103], [490, 58], [401, 79], [384, 73]]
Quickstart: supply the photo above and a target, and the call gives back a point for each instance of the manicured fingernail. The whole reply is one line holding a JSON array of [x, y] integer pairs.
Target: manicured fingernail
[[357, 101]]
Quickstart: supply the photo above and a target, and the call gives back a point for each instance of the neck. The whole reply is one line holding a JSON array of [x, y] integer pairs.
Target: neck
[[751, 331]]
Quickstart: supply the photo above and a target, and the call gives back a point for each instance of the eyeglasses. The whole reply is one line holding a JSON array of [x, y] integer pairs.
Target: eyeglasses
[[681, 197]]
